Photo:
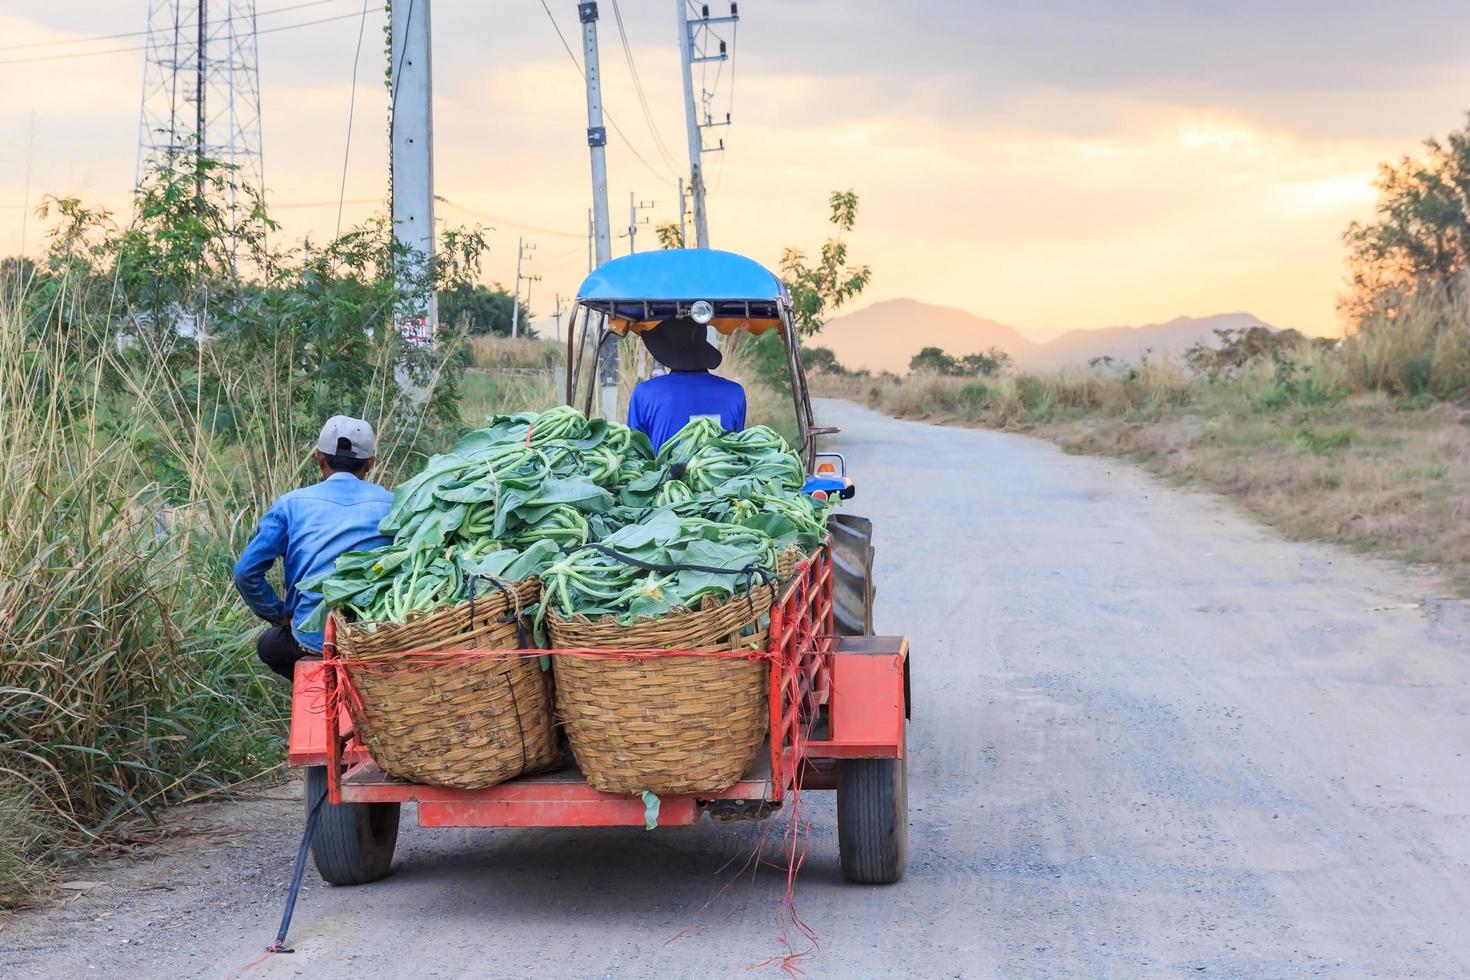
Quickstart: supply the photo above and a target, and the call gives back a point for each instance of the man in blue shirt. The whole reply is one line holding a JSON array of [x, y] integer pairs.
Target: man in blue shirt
[[309, 528], [663, 405]]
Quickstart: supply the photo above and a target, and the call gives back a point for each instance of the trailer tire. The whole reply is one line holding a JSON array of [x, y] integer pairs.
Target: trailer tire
[[354, 842], [852, 574], [873, 820]]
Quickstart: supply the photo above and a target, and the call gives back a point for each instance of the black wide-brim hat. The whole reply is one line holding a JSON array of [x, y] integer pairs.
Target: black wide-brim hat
[[681, 345]]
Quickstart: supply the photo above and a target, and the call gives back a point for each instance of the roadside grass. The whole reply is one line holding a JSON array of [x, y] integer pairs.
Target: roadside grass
[[27, 844], [765, 403], [1363, 443], [491, 351], [484, 393], [128, 680]]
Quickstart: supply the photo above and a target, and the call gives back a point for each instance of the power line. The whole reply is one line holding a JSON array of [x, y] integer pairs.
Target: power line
[[397, 74], [276, 206], [618, 129], [351, 109], [658, 140], [501, 221], [116, 37], [144, 47]]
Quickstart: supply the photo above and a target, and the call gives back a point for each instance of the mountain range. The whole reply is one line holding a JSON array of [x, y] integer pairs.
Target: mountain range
[[883, 337]]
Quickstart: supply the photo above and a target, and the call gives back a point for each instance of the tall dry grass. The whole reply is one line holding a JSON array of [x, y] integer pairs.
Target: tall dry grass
[[1421, 348], [125, 679], [128, 679], [1150, 389], [494, 352]]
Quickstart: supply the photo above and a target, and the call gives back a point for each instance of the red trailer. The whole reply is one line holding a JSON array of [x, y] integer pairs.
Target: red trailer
[[838, 707]]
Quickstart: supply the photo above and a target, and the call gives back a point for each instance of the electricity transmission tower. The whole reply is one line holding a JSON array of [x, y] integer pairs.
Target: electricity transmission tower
[[699, 44], [201, 88]]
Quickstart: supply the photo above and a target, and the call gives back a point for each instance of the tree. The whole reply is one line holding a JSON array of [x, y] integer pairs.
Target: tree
[[821, 360], [669, 234], [821, 287], [932, 360], [211, 334], [987, 364], [478, 310], [1420, 237]]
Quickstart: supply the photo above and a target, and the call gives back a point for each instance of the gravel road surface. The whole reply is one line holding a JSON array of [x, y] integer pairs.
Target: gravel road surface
[[1150, 739]]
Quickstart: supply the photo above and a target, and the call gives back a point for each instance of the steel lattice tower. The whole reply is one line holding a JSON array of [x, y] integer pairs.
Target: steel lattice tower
[[201, 87]]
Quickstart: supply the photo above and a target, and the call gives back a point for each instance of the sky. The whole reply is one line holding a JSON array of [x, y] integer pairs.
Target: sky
[[1050, 164]]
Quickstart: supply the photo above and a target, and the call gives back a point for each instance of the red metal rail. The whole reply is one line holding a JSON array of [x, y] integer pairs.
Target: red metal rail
[[802, 671]]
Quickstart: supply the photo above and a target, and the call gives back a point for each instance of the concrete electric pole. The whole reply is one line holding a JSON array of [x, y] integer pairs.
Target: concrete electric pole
[[607, 354], [683, 219], [633, 208], [522, 254], [694, 49], [411, 168]]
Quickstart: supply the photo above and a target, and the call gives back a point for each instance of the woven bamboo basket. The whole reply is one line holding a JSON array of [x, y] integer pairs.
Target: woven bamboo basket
[[666, 724], [466, 722]]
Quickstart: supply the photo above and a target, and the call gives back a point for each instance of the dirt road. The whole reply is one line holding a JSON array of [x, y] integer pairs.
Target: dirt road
[[1150, 739]]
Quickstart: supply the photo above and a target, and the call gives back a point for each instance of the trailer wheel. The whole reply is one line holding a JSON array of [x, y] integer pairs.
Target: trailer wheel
[[852, 574], [354, 842], [873, 820]]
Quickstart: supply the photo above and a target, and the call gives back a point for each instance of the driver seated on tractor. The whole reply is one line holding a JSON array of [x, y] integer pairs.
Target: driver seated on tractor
[[308, 529], [661, 406]]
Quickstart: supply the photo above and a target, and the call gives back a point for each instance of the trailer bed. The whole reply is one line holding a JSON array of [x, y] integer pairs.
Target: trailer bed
[[560, 797]]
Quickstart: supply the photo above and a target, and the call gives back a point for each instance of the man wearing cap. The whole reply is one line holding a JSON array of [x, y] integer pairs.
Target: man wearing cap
[[308, 529], [663, 405]]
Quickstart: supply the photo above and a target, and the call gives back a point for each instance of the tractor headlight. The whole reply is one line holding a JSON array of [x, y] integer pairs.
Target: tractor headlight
[[702, 311]]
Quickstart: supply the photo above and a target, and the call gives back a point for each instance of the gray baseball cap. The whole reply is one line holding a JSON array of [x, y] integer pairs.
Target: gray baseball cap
[[347, 436]]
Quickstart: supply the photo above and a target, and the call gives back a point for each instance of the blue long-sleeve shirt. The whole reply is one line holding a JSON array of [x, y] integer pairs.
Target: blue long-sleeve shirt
[[309, 528], [663, 405]]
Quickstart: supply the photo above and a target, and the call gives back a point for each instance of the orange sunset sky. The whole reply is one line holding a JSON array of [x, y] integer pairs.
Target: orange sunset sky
[[1047, 165]]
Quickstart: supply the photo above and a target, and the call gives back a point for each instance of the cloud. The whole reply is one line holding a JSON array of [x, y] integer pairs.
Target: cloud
[[1067, 163]]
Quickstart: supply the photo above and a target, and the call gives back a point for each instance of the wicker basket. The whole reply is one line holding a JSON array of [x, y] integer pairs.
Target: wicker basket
[[466, 722], [666, 724]]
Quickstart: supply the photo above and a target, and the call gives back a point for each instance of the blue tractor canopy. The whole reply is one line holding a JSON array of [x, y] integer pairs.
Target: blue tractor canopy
[[637, 291]]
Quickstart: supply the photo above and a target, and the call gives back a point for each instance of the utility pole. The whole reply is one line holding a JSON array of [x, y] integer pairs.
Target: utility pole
[[558, 318], [596, 131], [411, 125], [591, 236], [633, 222], [682, 222], [530, 281], [522, 253], [694, 37], [607, 359]]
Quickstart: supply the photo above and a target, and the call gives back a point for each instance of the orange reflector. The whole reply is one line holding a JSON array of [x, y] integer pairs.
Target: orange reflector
[[819, 495], [826, 468]]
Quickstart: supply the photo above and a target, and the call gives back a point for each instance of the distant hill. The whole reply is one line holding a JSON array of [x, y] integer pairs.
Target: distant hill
[[883, 337], [1077, 347]]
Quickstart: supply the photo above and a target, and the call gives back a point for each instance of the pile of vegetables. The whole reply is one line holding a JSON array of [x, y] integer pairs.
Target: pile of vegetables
[[565, 497]]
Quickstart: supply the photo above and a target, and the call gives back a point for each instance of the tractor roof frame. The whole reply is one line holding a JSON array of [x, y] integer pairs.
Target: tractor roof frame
[[634, 293]]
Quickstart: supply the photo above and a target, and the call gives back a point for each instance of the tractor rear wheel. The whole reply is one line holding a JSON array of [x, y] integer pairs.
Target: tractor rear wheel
[[873, 820], [852, 574], [354, 842]]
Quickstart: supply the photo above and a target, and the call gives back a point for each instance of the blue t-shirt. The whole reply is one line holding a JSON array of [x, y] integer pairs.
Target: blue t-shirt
[[663, 405], [309, 528]]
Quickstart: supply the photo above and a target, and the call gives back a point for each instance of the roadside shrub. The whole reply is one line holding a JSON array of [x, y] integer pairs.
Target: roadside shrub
[[154, 398], [1421, 347], [1325, 441]]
